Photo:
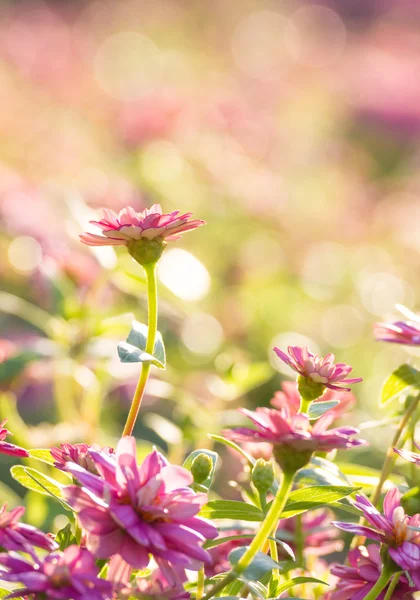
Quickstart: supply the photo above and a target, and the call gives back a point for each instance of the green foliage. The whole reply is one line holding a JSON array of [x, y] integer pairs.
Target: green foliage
[[283, 587], [42, 454], [65, 537], [317, 409], [259, 566], [405, 379], [231, 509], [315, 496], [134, 348], [38, 482]]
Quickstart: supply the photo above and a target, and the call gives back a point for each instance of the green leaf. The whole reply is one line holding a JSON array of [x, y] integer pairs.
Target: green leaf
[[14, 365], [65, 537], [134, 348], [249, 536], [260, 565], [403, 379], [42, 454], [317, 409], [213, 457], [231, 509], [9, 496], [311, 497], [222, 440], [37, 482], [4, 593], [297, 581]]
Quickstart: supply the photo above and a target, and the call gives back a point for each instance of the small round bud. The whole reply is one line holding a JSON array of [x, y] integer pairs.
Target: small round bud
[[291, 460], [309, 390], [201, 467], [145, 251], [262, 475]]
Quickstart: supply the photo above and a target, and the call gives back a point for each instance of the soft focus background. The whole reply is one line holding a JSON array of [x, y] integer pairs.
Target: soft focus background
[[292, 128]]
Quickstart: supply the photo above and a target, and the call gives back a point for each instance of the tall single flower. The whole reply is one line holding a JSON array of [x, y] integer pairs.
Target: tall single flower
[[131, 511], [357, 579], [20, 536], [68, 575], [77, 453], [6, 447], [394, 528], [318, 369], [400, 332], [130, 226]]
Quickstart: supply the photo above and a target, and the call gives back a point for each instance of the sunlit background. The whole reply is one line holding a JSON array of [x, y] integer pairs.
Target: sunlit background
[[292, 128]]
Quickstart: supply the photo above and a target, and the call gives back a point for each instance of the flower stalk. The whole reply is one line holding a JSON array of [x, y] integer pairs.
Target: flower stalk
[[381, 584], [152, 303]]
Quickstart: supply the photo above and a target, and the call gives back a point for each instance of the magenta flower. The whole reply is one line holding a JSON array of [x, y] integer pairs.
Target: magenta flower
[[155, 588], [129, 225], [318, 369], [359, 578], [283, 429], [6, 447], [399, 332], [393, 528], [68, 575], [412, 457], [131, 511], [289, 396], [19, 536], [219, 554], [77, 453]]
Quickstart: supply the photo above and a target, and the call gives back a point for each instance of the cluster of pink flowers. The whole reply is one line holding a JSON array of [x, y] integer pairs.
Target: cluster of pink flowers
[[130, 511]]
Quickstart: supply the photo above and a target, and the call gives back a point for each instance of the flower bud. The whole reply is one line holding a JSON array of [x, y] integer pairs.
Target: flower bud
[[145, 251], [201, 467], [262, 475], [309, 390]]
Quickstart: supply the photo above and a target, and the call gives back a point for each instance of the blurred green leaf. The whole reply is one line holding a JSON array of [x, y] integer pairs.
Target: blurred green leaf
[[9, 496], [4, 593], [286, 585], [37, 482], [259, 566], [231, 509], [134, 348], [42, 454], [11, 367], [222, 440], [403, 379], [317, 409], [213, 457], [248, 536], [65, 537]]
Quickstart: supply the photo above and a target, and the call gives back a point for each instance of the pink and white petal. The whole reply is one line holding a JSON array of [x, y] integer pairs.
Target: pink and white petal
[[91, 239]]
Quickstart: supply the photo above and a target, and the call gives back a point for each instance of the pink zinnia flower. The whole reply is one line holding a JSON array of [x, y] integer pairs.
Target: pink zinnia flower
[[359, 578], [318, 369], [129, 226], [68, 575], [131, 511], [393, 528], [219, 554], [77, 453], [19, 536], [6, 447], [400, 332], [283, 429], [289, 396]]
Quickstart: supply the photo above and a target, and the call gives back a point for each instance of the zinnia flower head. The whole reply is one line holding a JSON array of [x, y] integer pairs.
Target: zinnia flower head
[[392, 528], [77, 453], [131, 511], [144, 233], [357, 579], [68, 575], [293, 435], [317, 369], [19, 536], [6, 447], [400, 332]]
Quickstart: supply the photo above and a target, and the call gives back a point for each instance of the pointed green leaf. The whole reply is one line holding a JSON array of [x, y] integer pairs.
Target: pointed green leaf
[[260, 565], [65, 537], [311, 497], [4, 593], [286, 585], [248, 536], [231, 509], [404, 379], [317, 409], [134, 348], [42, 454]]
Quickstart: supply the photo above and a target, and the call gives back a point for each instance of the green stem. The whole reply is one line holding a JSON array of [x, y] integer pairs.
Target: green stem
[[392, 586], [150, 346], [200, 584], [380, 585], [267, 527]]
